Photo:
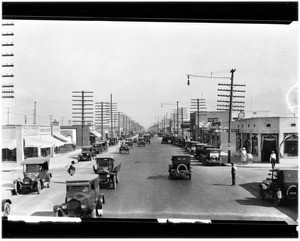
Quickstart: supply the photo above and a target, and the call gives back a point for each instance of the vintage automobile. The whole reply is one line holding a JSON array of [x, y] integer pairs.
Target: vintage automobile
[[129, 142], [212, 156], [124, 147], [180, 167], [99, 147], [199, 149], [190, 147], [6, 207], [87, 153], [147, 138], [36, 176], [181, 142], [83, 198], [164, 140], [107, 170], [202, 152], [282, 186], [141, 141]]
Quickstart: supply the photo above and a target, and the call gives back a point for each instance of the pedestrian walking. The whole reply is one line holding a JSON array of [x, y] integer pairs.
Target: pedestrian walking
[[233, 173], [244, 155], [273, 159], [71, 169]]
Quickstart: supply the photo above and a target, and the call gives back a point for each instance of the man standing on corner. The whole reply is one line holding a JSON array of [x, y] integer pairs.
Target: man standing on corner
[[233, 173]]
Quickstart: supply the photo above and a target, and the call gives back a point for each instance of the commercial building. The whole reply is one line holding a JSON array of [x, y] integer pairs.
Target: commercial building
[[22, 141], [261, 135]]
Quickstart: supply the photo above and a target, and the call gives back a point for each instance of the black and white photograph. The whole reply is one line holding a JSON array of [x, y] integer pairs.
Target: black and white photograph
[[180, 116]]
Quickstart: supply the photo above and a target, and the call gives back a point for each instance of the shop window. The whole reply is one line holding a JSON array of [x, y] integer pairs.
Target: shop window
[[291, 145], [248, 125], [254, 150], [253, 125], [268, 125], [293, 124]]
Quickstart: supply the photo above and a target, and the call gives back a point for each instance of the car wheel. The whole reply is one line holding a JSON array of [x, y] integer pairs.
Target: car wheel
[[114, 184], [276, 200], [99, 209], [59, 214], [189, 176], [38, 187], [117, 178], [170, 176], [6, 209]]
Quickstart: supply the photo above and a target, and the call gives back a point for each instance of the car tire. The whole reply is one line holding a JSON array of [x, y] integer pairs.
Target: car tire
[[262, 193], [99, 209], [58, 214], [38, 187], [114, 184], [189, 176], [117, 178], [276, 200], [6, 209]]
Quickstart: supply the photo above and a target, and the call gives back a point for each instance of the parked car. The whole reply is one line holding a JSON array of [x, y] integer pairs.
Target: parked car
[[199, 149], [99, 147], [83, 198], [87, 153], [212, 156], [181, 142], [202, 152], [36, 176], [107, 170], [124, 147], [180, 167], [282, 186], [141, 141], [165, 139], [190, 147]]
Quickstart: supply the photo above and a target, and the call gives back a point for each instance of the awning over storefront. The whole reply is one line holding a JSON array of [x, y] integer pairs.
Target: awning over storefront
[[9, 144], [61, 137], [53, 140], [37, 141], [95, 133]]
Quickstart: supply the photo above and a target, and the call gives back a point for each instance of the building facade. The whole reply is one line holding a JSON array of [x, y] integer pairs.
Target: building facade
[[262, 135]]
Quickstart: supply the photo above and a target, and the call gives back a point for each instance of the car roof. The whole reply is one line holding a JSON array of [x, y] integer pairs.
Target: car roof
[[86, 146], [201, 144], [35, 160], [213, 148], [99, 156], [99, 142], [82, 178]]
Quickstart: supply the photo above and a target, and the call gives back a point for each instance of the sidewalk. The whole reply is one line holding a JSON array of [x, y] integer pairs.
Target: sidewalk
[[284, 163], [60, 160]]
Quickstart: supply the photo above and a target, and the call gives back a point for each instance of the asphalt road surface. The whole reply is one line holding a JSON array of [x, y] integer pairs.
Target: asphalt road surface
[[145, 191]]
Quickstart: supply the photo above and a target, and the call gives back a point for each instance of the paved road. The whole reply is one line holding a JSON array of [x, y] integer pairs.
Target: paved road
[[144, 191]]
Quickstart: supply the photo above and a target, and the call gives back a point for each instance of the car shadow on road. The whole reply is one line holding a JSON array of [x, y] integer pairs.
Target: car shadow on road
[[160, 177], [224, 185], [254, 202]]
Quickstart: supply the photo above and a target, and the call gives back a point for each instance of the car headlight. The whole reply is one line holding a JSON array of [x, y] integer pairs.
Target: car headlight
[[83, 206], [107, 175], [64, 206]]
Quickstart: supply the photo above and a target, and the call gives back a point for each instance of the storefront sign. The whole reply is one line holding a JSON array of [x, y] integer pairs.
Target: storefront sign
[[30, 130], [45, 130]]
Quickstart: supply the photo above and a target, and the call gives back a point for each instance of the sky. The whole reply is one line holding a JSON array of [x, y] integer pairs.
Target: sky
[[146, 64]]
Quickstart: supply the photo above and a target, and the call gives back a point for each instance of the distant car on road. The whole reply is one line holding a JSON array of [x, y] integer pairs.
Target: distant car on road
[[83, 198], [124, 147], [87, 153], [36, 176], [165, 140], [282, 186], [180, 167], [141, 141]]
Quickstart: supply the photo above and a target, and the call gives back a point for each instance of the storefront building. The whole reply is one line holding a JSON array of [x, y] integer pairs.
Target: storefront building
[[262, 135], [22, 141]]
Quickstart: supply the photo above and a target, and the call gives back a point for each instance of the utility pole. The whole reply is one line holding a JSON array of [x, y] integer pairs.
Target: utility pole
[[7, 116], [231, 106], [62, 121], [84, 113], [102, 115], [70, 122], [34, 114], [50, 119], [25, 119], [177, 118], [198, 104], [182, 121]]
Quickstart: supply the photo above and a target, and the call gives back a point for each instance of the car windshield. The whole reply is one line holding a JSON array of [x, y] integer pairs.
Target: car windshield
[[77, 189], [162, 86], [32, 168]]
